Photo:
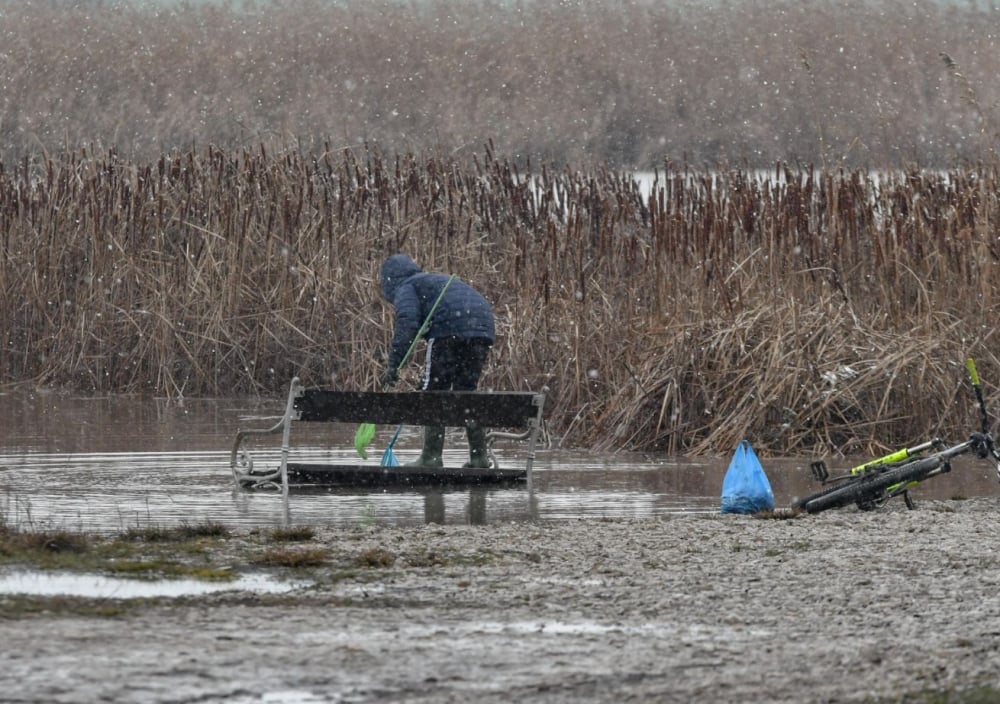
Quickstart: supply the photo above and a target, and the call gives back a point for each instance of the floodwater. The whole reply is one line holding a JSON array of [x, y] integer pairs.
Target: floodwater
[[108, 464], [103, 587]]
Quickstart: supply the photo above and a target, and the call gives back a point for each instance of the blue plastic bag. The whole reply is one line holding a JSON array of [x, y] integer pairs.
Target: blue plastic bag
[[745, 489]]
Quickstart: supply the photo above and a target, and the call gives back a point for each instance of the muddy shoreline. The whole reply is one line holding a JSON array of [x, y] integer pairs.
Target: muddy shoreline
[[892, 605]]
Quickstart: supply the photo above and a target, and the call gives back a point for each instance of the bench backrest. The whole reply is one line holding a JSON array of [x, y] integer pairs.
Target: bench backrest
[[449, 408]]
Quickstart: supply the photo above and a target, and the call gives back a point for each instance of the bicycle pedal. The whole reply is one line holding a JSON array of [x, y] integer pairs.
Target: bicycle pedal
[[821, 473]]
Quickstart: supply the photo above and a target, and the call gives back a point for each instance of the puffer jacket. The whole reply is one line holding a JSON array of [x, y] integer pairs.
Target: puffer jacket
[[462, 312]]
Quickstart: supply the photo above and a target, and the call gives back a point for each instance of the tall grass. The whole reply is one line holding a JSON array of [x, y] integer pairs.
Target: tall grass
[[809, 310]]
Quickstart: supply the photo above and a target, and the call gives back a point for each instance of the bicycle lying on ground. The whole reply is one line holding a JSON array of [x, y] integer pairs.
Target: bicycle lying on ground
[[872, 484]]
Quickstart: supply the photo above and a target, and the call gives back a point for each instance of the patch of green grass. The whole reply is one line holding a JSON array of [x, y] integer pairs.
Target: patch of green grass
[[298, 534], [22, 605], [156, 569], [207, 529], [309, 557], [15, 542], [148, 552], [375, 557], [47, 548], [159, 534]]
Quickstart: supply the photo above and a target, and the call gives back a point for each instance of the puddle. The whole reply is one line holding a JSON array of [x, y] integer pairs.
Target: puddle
[[592, 628], [100, 587]]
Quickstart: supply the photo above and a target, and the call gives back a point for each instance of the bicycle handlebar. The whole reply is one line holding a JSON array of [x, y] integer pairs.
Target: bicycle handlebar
[[980, 443]]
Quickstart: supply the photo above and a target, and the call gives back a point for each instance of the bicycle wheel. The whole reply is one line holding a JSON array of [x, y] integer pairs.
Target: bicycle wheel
[[869, 489], [846, 493]]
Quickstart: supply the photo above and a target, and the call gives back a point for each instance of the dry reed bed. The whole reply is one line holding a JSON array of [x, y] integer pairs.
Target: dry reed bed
[[621, 83], [810, 311]]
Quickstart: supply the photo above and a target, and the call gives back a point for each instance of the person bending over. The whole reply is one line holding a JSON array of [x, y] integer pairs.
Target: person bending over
[[459, 337]]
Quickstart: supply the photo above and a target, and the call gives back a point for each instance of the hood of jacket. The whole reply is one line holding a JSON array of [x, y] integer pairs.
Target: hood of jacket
[[395, 270]]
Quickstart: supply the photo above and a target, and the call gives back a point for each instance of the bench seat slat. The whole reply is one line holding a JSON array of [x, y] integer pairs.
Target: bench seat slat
[[448, 408]]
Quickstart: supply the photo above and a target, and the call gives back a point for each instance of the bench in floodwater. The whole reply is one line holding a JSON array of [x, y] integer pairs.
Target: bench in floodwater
[[501, 412]]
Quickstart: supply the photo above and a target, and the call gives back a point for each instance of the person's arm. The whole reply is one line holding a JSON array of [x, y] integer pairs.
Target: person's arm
[[407, 305]]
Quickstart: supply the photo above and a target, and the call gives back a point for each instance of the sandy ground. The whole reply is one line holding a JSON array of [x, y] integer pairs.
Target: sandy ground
[[839, 607]]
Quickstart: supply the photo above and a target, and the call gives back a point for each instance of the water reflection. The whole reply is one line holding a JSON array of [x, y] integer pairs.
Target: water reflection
[[110, 464]]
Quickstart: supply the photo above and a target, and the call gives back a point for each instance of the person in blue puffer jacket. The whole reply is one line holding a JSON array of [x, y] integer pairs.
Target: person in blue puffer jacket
[[459, 337]]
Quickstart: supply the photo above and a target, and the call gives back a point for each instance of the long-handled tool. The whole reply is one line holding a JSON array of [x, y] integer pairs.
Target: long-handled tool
[[389, 457], [366, 431]]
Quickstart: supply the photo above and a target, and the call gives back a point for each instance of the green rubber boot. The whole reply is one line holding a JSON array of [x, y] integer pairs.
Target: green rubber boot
[[478, 456], [433, 445]]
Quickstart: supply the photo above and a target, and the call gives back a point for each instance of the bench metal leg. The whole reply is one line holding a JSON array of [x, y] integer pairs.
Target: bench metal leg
[[240, 460]]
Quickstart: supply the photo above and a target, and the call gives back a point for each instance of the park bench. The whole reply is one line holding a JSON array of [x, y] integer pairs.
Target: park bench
[[501, 412]]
